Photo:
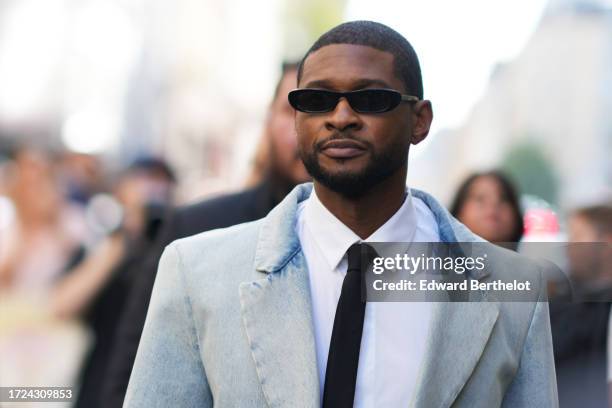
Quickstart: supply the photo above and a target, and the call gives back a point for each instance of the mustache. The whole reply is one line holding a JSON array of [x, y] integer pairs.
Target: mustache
[[318, 146]]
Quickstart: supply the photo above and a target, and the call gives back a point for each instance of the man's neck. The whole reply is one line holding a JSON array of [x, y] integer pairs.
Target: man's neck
[[365, 214]]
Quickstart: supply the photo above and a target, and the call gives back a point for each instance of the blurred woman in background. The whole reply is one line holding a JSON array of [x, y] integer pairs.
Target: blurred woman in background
[[40, 239], [487, 203], [45, 233]]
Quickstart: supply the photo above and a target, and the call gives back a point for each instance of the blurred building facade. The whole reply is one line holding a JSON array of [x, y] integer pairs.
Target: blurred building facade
[[544, 117], [121, 78], [188, 80]]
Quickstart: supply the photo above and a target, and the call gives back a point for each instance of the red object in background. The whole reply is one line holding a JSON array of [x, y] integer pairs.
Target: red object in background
[[540, 220]]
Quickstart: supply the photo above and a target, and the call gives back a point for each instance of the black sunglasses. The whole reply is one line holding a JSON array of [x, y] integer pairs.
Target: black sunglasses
[[361, 101]]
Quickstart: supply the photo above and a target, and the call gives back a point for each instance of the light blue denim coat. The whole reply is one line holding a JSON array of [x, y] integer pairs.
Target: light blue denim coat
[[230, 325]]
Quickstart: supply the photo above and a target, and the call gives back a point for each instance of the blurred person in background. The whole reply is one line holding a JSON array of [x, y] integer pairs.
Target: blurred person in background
[[39, 241], [278, 168], [143, 191], [96, 288], [488, 204], [580, 326], [82, 175], [591, 260], [43, 224], [260, 164]]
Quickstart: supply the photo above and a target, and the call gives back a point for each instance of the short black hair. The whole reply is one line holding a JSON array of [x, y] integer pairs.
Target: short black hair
[[152, 165], [376, 35]]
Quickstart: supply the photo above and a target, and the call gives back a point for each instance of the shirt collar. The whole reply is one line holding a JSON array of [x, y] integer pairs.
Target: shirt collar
[[334, 238]]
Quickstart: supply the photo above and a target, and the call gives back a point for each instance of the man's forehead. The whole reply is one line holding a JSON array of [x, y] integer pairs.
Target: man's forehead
[[349, 63]]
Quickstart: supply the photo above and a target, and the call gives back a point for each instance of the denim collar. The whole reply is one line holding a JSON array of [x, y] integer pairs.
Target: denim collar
[[278, 241]]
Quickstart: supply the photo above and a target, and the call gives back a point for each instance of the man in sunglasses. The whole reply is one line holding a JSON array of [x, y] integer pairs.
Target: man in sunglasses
[[269, 313]]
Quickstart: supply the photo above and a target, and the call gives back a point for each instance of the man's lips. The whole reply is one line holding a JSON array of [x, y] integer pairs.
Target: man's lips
[[342, 149]]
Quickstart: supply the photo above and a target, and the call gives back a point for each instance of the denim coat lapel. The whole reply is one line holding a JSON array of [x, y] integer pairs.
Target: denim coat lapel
[[459, 330], [277, 312]]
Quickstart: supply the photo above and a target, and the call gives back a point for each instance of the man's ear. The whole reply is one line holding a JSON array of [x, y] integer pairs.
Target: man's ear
[[423, 115]]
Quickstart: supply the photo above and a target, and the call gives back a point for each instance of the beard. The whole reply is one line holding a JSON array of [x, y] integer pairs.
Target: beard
[[355, 184]]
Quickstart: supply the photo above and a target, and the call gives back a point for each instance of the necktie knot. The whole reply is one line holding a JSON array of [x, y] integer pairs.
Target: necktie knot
[[354, 257], [358, 255]]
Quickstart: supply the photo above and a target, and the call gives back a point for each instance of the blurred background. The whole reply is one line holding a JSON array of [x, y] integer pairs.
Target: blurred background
[[523, 85], [111, 110]]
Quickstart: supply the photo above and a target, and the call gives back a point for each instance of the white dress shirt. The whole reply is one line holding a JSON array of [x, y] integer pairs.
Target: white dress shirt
[[394, 334]]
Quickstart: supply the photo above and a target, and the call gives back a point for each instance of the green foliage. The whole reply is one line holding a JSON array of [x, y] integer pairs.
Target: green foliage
[[532, 171]]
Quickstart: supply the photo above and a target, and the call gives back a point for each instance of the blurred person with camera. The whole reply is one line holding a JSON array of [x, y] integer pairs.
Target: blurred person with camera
[[95, 289]]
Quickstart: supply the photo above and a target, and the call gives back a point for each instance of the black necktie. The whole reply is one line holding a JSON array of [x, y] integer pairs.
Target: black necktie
[[343, 357]]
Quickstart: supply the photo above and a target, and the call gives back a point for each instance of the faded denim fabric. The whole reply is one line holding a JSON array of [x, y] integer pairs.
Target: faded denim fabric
[[230, 325]]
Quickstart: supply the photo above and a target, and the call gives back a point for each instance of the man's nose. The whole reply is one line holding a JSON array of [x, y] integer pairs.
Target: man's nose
[[343, 117]]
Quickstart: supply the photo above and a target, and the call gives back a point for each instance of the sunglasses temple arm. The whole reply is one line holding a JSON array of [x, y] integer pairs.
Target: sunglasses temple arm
[[410, 98]]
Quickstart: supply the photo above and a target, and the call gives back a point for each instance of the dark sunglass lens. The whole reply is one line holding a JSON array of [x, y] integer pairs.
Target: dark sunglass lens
[[312, 100], [374, 100]]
